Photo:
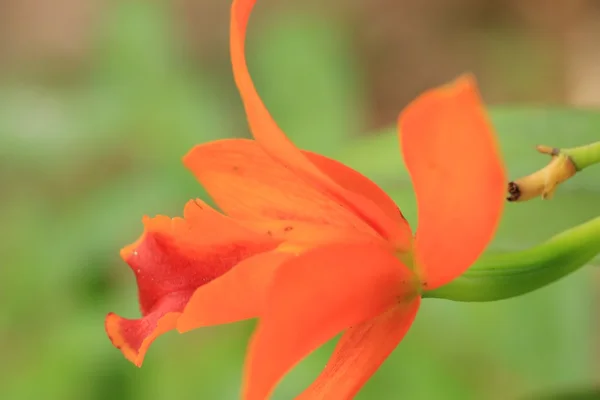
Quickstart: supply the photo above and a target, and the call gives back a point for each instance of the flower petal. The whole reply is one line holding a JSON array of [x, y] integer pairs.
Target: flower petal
[[360, 352], [134, 336], [312, 298], [248, 184], [297, 237], [237, 295], [266, 131], [171, 260], [452, 156], [354, 181], [184, 253]]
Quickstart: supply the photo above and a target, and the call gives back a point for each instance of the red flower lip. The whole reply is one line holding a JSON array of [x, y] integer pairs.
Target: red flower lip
[[172, 259]]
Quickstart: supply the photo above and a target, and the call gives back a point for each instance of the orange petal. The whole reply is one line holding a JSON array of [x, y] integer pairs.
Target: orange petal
[[248, 184], [354, 181], [451, 153], [312, 298], [171, 260], [297, 237], [235, 296], [266, 131], [360, 352]]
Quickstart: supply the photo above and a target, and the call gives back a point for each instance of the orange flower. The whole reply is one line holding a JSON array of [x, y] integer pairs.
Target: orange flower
[[371, 291], [311, 246]]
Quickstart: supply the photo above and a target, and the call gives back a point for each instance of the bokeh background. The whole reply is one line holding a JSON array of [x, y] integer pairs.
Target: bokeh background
[[100, 99]]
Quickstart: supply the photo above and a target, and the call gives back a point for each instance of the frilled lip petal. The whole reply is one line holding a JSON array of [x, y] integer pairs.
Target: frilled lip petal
[[312, 298], [171, 260], [134, 336], [267, 133], [451, 153]]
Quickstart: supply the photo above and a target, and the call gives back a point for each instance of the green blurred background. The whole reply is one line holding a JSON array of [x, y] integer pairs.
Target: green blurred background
[[100, 99]]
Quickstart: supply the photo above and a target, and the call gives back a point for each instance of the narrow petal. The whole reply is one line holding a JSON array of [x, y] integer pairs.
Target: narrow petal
[[173, 258], [360, 352], [314, 297], [266, 131], [451, 153], [235, 296]]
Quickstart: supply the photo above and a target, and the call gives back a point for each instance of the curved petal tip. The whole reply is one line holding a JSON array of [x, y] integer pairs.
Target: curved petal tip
[[134, 336]]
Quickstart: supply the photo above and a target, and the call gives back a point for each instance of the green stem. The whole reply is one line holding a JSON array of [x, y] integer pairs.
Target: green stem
[[584, 156], [497, 277]]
